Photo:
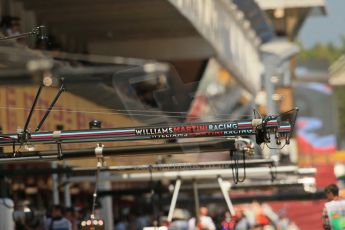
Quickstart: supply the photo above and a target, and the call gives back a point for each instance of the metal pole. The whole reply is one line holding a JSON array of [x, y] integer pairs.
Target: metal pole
[[176, 148], [106, 202], [6, 214], [55, 184], [67, 192], [270, 104], [3, 185], [32, 108], [220, 165], [269, 87], [263, 172], [196, 202], [174, 199], [207, 129], [61, 89], [226, 196], [67, 195]]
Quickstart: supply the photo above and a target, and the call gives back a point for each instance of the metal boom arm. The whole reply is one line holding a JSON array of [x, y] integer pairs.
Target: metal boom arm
[[206, 129]]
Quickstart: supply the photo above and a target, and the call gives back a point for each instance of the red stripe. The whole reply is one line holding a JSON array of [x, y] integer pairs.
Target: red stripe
[[245, 125], [99, 134], [84, 135], [42, 137]]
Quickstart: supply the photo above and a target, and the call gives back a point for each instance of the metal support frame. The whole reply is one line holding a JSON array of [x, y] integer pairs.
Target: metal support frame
[[274, 53], [61, 89], [99, 156], [106, 203], [225, 192], [264, 185], [32, 108], [195, 174], [174, 200], [196, 202], [205, 129], [67, 192], [157, 149], [249, 184], [275, 196], [180, 167], [55, 186]]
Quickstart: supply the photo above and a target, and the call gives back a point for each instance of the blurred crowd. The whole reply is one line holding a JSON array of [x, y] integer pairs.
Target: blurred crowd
[[253, 216]]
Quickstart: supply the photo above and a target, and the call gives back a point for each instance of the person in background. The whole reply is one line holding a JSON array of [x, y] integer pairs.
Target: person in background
[[57, 221], [180, 220], [333, 215], [236, 222], [71, 216], [204, 223], [228, 222], [10, 25], [121, 224]]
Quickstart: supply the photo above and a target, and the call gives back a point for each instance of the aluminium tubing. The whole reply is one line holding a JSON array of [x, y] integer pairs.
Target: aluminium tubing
[[155, 167], [191, 174], [156, 149], [206, 129]]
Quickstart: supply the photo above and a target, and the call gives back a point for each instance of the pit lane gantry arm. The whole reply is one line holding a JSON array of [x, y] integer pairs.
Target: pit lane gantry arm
[[262, 128]]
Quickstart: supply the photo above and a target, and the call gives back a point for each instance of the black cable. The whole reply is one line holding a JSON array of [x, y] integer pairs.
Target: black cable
[[96, 189], [236, 171], [32, 108], [233, 167], [13, 147], [244, 168], [60, 153], [273, 173], [286, 112], [276, 148], [61, 89]]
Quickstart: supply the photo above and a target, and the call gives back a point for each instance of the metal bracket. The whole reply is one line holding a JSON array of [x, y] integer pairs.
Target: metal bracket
[[174, 199], [99, 155], [99, 150], [225, 193], [246, 145], [60, 154], [57, 136]]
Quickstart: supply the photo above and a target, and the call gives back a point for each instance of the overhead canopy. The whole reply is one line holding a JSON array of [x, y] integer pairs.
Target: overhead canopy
[[257, 19], [281, 49], [288, 16], [274, 4], [230, 34], [160, 29]]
